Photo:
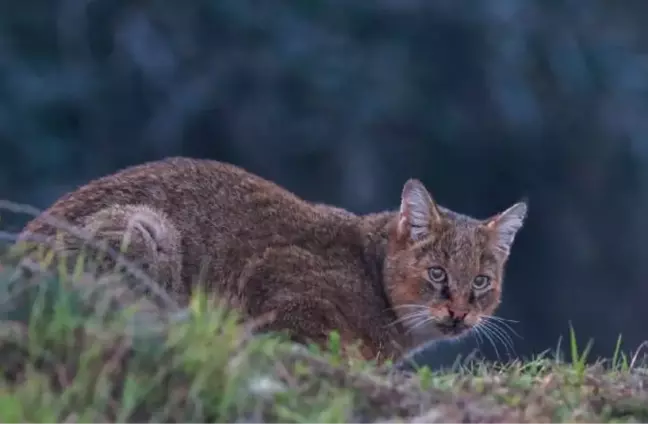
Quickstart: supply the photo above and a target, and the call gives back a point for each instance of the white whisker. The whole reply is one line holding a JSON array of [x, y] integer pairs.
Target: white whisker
[[496, 318], [475, 331], [499, 331], [407, 317], [487, 333], [503, 323], [409, 305], [501, 335], [426, 319]]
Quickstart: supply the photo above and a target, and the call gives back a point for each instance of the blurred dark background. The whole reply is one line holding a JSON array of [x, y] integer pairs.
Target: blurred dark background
[[341, 101]]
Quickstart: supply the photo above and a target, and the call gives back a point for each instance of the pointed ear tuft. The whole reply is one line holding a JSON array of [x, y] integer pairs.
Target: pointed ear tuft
[[507, 224], [417, 211]]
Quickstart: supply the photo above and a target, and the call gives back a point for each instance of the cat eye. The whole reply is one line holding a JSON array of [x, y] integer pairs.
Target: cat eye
[[481, 282], [437, 274]]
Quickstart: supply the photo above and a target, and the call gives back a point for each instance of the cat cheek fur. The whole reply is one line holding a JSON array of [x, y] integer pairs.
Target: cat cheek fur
[[440, 312], [472, 318]]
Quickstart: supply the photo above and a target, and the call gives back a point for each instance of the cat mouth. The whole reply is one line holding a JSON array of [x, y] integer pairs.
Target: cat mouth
[[452, 328]]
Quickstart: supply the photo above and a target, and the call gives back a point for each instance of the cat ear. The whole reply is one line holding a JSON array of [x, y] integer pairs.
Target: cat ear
[[506, 225], [417, 211]]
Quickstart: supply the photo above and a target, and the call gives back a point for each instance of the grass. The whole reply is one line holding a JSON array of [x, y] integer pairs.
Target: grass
[[63, 360]]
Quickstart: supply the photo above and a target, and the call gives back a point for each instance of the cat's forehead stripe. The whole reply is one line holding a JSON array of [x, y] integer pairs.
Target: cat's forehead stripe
[[455, 241]]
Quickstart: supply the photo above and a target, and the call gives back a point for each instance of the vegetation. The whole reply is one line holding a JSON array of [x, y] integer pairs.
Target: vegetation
[[66, 359]]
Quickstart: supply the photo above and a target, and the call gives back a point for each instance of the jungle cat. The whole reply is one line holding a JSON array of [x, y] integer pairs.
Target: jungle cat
[[389, 281]]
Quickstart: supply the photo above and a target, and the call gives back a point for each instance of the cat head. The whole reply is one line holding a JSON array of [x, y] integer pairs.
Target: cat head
[[443, 271]]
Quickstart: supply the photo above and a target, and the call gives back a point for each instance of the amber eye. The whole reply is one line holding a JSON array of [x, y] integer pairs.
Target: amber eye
[[437, 274], [481, 282]]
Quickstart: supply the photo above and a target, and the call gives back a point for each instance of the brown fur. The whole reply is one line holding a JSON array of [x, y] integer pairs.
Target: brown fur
[[317, 268]]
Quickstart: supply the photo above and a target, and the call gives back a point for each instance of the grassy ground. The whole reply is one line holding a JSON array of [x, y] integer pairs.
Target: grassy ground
[[64, 362]]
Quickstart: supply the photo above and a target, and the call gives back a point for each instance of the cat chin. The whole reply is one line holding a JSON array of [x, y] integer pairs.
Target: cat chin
[[466, 332], [432, 333], [431, 337], [425, 334]]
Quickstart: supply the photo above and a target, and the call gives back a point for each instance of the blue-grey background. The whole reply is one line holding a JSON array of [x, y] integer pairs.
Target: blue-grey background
[[341, 101]]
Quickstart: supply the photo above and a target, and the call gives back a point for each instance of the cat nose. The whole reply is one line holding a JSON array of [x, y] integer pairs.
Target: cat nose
[[456, 315]]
